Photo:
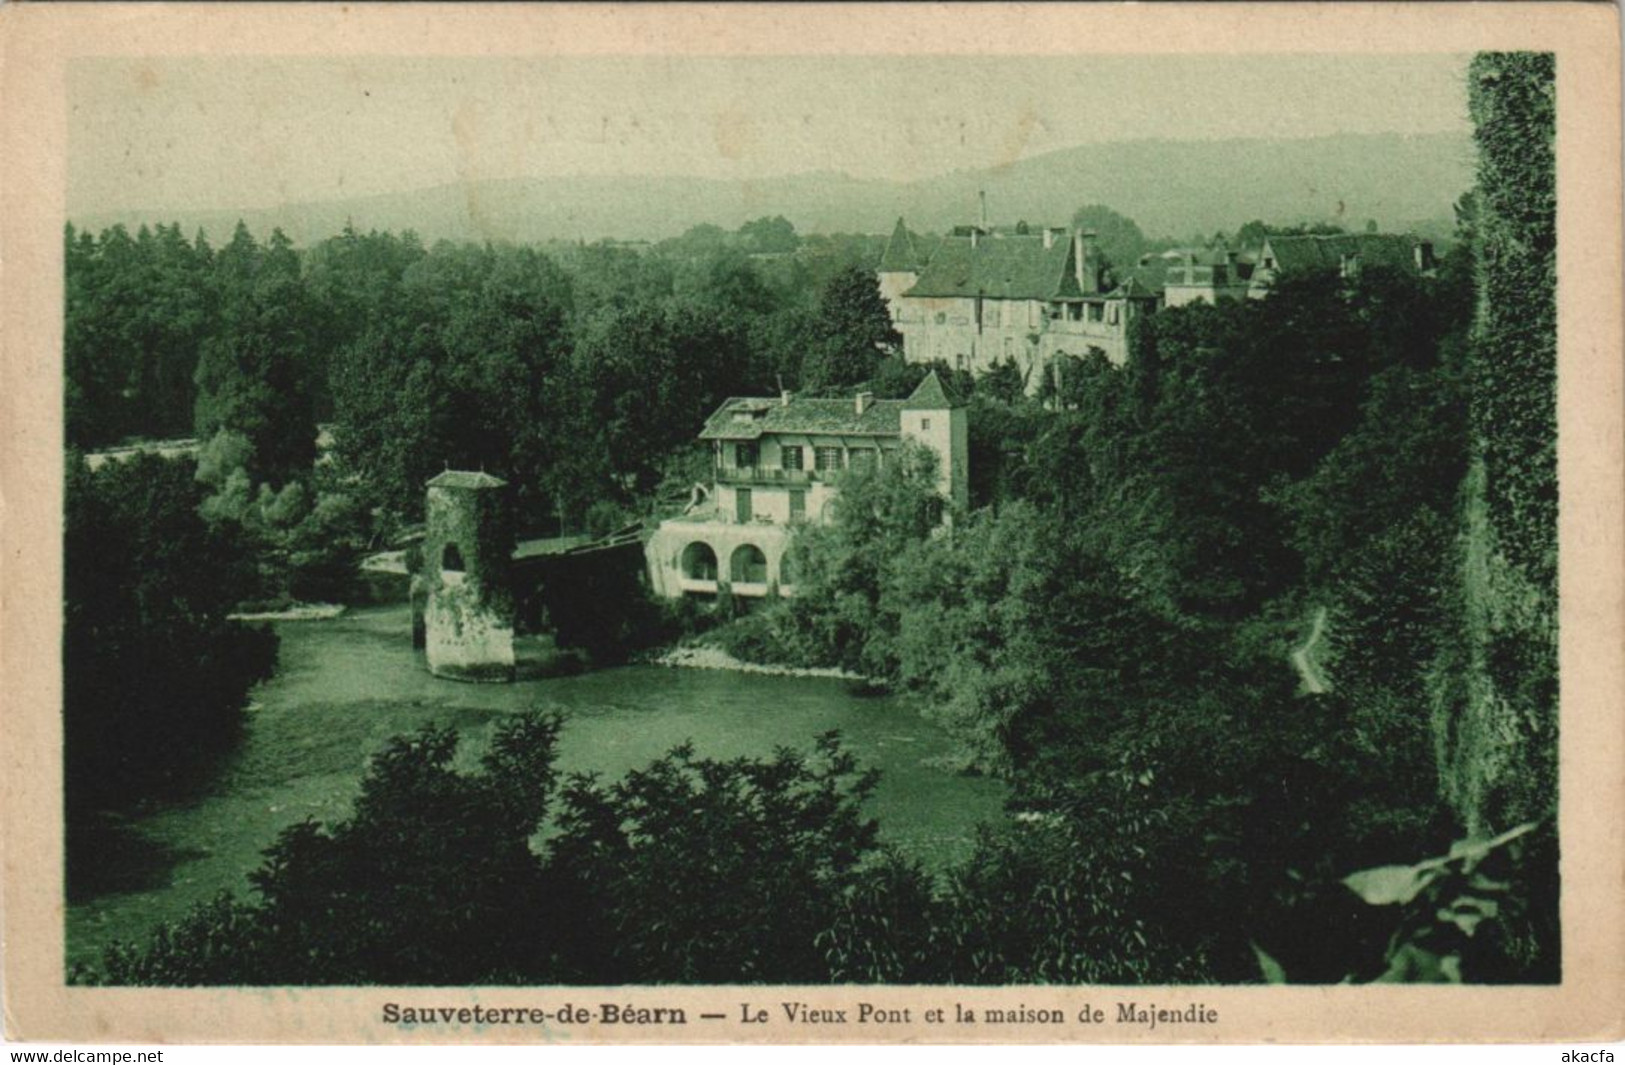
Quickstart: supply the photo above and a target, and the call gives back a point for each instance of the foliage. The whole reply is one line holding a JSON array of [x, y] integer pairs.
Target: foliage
[[136, 311], [431, 879], [1512, 99], [256, 372], [1118, 236], [1486, 912], [769, 236], [853, 331], [840, 609], [702, 871], [690, 870], [454, 381], [155, 676]]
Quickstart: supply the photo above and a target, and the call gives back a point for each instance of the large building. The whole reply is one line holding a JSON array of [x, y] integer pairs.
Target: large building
[[982, 296], [777, 462]]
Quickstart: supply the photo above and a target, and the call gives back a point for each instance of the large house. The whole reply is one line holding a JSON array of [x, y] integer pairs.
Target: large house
[[984, 296], [981, 296], [777, 462]]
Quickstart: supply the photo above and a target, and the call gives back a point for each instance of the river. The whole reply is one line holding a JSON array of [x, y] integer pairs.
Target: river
[[345, 686]]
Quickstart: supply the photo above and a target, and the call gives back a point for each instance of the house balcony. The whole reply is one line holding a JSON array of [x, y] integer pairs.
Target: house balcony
[[761, 475]]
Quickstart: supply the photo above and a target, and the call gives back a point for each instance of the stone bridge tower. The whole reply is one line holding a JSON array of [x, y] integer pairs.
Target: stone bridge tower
[[467, 555]]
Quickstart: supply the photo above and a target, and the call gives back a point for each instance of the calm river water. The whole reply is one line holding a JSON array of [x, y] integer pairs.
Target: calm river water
[[345, 686]]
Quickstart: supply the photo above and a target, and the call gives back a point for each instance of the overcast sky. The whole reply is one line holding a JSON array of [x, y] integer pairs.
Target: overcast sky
[[190, 134]]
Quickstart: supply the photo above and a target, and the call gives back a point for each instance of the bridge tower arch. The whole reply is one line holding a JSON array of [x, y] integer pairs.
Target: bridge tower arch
[[467, 557]]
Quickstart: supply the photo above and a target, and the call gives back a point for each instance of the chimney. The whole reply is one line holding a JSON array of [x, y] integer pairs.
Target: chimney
[[1424, 256], [784, 397], [981, 196], [1088, 260], [1052, 234], [975, 235], [863, 401]]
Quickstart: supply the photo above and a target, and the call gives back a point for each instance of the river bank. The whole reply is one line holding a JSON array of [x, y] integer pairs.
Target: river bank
[[700, 657]]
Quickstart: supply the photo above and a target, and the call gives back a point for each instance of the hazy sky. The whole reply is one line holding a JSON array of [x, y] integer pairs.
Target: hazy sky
[[188, 134]]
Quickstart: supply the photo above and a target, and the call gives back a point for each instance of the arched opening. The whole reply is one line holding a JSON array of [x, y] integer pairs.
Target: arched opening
[[748, 565], [451, 560], [699, 562]]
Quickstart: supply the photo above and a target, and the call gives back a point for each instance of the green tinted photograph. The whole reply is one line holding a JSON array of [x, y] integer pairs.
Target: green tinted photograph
[[844, 520]]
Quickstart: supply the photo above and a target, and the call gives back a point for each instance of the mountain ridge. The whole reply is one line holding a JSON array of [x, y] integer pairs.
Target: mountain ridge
[[1171, 188]]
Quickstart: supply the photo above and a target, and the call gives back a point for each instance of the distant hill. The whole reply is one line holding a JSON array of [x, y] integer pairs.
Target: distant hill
[[1171, 188]]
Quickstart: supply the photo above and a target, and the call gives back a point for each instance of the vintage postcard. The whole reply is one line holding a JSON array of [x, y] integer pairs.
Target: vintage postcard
[[786, 524]]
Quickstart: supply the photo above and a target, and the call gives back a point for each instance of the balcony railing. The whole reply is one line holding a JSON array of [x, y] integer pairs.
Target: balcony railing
[[765, 475]]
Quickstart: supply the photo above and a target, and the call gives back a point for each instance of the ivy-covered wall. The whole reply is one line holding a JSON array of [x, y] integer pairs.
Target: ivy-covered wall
[[1495, 697], [469, 614]]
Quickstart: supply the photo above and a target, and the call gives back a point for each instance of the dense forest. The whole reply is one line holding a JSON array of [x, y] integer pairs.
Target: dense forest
[[1260, 627]]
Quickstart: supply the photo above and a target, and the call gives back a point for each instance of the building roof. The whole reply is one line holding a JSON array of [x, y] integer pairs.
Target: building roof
[[751, 417], [466, 479], [1135, 289], [902, 254], [997, 267], [747, 418], [1326, 252], [932, 394]]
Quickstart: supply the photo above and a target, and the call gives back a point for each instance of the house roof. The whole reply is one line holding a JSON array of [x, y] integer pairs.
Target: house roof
[[902, 254], [932, 394], [748, 417], [1326, 252], [466, 479], [1136, 289], [1011, 268], [751, 417]]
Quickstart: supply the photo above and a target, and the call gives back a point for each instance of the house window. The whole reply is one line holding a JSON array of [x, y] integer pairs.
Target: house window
[[925, 425], [745, 455], [790, 457], [451, 560], [1095, 311], [798, 504], [827, 459], [863, 458]]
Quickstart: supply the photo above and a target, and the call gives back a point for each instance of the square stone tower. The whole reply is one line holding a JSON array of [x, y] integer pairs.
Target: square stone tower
[[935, 417], [467, 556]]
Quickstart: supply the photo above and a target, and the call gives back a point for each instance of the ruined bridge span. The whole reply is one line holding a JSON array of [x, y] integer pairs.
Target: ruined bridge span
[[478, 585]]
